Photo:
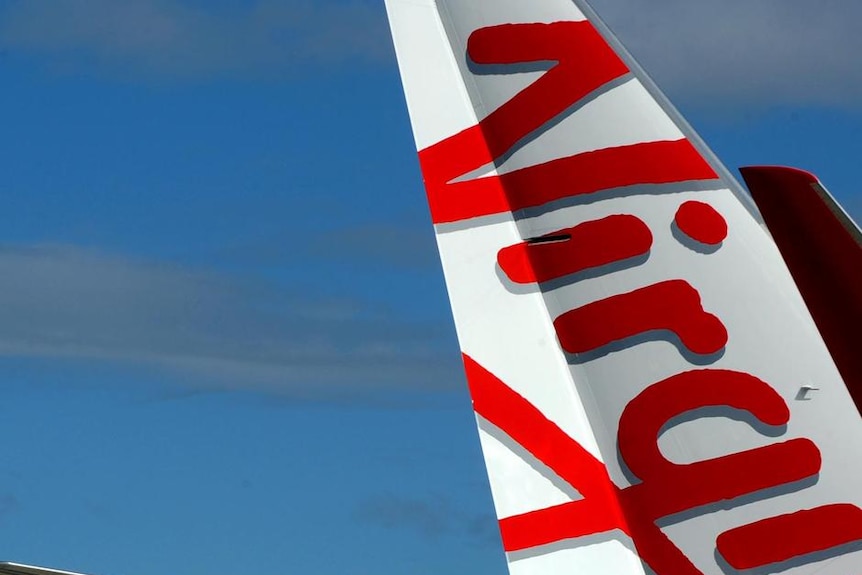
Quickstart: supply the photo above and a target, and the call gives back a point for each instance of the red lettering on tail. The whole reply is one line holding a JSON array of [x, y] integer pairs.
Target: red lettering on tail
[[666, 488], [584, 63], [583, 247], [783, 538], [701, 222], [597, 512], [672, 306]]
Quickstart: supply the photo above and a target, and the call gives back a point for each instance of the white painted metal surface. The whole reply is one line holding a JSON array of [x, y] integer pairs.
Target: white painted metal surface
[[19, 569], [512, 328]]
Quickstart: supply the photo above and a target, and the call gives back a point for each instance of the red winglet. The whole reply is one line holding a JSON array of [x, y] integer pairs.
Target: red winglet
[[823, 250]]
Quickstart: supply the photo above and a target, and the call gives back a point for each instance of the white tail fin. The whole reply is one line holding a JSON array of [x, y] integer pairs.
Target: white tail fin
[[7, 568], [634, 343]]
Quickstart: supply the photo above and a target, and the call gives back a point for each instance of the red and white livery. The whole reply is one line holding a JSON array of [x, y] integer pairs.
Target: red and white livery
[[652, 393]]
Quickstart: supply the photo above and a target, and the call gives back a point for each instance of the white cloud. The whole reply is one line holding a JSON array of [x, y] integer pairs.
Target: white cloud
[[744, 51], [65, 302], [382, 244], [186, 40], [721, 53]]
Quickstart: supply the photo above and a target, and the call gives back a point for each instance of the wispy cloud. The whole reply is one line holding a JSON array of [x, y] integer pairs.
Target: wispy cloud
[[432, 519], [724, 53], [737, 51], [8, 505], [182, 39], [380, 244], [65, 302]]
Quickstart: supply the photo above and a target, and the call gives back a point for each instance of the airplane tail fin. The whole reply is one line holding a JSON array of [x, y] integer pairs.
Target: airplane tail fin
[[8, 568], [633, 341]]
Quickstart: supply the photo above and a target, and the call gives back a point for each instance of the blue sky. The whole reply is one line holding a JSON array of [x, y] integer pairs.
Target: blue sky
[[224, 337]]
